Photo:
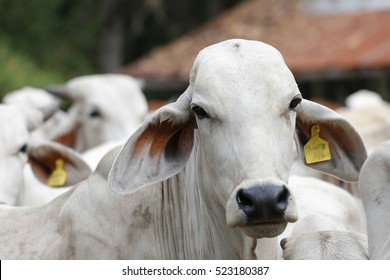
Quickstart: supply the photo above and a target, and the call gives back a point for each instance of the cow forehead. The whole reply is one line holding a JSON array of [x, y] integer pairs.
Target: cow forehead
[[236, 70], [244, 53]]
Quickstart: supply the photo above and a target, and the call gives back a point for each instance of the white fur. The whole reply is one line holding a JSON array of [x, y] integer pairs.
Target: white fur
[[326, 245], [375, 192], [322, 206], [19, 186], [16, 121], [117, 101]]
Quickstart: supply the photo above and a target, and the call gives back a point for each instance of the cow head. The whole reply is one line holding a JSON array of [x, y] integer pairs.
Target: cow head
[[236, 123], [104, 107]]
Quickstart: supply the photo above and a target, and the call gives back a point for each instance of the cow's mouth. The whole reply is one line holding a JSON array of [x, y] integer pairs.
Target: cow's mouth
[[264, 229]]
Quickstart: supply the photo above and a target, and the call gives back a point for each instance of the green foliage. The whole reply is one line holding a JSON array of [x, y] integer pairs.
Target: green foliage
[[18, 70], [58, 33], [50, 41]]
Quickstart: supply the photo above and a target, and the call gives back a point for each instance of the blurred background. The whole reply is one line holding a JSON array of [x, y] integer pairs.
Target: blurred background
[[333, 47]]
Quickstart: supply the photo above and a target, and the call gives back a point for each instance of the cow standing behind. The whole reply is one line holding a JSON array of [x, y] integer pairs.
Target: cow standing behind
[[375, 192], [16, 122], [23, 113], [202, 178], [104, 107], [324, 207]]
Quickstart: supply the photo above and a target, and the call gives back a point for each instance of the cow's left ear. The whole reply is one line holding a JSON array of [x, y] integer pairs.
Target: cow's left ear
[[159, 149], [347, 151]]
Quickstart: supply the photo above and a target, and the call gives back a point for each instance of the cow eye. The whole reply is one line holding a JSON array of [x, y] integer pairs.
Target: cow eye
[[95, 114], [200, 113], [23, 149], [294, 103]]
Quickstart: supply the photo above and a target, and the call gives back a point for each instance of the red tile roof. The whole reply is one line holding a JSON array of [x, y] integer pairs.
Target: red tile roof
[[309, 43]]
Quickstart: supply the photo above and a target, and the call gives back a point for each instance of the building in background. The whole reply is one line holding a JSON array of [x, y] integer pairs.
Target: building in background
[[333, 47]]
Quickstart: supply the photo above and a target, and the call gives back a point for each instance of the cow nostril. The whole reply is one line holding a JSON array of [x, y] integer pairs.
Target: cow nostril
[[283, 196], [244, 200], [263, 203], [282, 199]]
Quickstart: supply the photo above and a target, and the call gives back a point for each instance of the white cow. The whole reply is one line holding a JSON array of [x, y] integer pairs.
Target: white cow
[[105, 107], [322, 207], [56, 121], [375, 192], [16, 122], [202, 178], [330, 201], [19, 187], [326, 245], [35, 98], [363, 98]]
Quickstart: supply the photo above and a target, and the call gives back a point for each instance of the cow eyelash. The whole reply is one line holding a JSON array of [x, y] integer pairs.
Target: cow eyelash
[[199, 112]]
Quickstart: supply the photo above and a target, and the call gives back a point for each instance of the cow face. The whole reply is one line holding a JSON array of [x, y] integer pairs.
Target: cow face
[[245, 102], [105, 107], [235, 126]]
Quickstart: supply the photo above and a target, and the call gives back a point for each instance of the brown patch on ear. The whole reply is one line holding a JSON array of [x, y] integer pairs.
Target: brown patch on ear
[[43, 166], [304, 131], [162, 135], [181, 142]]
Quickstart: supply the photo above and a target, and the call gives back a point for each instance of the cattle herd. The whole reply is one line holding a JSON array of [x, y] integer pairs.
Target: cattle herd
[[240, 166]]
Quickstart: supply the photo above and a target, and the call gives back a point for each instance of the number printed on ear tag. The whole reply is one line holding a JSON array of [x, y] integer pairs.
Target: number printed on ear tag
[[316, 149]]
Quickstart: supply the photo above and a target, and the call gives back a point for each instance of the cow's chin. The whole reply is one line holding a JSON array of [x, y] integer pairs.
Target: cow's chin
[[264, 230]]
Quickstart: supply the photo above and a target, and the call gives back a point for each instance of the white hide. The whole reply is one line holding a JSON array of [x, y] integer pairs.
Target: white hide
[[19, 186], [322, 206], [15, 123], [317, 197], [326, 245], [55, 120], [181, 187], [35, 98], [104, 107], [375, 192], [93, 155], [363, 98]]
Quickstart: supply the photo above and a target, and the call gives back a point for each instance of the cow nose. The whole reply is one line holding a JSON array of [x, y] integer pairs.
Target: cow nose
[[265, 203]]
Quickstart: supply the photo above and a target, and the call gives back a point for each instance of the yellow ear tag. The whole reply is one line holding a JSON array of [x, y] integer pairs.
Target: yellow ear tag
[[58, 177], [316, 149]]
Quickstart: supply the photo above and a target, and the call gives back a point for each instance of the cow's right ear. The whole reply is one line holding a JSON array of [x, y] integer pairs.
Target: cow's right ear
[[43, 158], [159, 149]]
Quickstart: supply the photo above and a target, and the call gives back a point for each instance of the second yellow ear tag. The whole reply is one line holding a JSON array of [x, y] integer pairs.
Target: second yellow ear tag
[[316, 149], [58, 177]]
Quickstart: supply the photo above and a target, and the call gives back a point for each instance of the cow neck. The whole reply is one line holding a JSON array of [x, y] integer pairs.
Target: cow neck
[[168, 220], [191, 226]]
